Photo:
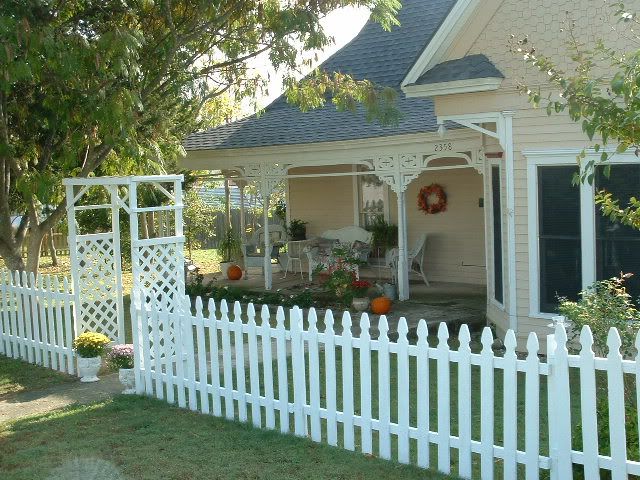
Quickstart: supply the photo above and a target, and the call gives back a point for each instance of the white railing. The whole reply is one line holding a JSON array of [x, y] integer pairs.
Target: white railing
[[410, 402], [36, 320]]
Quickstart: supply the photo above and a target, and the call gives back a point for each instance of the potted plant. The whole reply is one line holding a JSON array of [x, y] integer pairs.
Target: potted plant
[[297, 230], [90, 346], [120, 357], [230, 249], [384, 236], [360, 299]]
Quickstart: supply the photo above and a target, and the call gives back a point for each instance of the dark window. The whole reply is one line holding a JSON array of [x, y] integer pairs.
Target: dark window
[[559, 235], [497, 234], [618, 246]]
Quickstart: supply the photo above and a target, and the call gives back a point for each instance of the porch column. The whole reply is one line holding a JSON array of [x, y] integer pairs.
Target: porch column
[[267, 247], [403, 266], [507, 144], [243, 220]]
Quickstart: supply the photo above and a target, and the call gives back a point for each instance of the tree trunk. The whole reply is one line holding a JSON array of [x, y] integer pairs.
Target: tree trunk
[[36, 235], [52, 248]]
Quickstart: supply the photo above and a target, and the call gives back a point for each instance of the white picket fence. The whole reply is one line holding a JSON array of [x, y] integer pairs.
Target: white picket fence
[[36, 320], [339, 388]]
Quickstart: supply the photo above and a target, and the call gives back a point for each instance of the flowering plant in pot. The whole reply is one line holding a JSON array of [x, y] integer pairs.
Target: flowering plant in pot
[[360, 299], [90, 346], [121, 357]]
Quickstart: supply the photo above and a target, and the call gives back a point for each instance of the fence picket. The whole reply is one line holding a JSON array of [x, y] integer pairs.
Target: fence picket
[[267, 367], [464, 402], [23, 308], [384, 400], [637, 375], [214, 358], [283, 382], [146, 353], [422, 381], [615, 385], [226, 361], [444, 400], [13, 302], [403, 391], [330, 380], [559, 382], [532, 409], [4, 312], [190, 357], [314, 377], [252, 339], [510, 406], [31, 285], [347, 381], [297, 366], [166, 353], [52, 340], [365, 385], [588, 405], [238, 336], [68, 322], [203, 374], [486, 405], [157, 356], [41, 318], [178, 345]]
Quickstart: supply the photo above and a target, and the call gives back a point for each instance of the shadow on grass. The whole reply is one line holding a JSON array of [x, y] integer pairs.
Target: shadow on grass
[[18, 376], [143, 438]]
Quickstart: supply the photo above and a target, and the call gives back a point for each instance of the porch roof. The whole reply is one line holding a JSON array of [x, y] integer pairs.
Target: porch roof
[[379, 56]]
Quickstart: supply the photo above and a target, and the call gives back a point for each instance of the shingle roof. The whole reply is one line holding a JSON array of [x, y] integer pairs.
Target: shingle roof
[[465, 68], [379, 56]]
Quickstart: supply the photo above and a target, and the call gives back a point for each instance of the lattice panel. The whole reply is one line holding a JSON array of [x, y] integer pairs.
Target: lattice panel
[[159, 275], [98, 296]]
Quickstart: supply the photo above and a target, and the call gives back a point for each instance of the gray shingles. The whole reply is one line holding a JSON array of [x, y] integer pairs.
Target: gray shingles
[[379, 56], [465, 68]]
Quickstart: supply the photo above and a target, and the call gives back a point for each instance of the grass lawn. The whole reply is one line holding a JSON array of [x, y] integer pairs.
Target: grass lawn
[[147, 439], [17, 376]]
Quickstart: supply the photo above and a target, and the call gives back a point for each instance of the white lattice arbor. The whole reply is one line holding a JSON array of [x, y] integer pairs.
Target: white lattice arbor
[[96, 265]]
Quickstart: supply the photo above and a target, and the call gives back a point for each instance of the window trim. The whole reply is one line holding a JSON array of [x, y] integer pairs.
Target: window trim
[[564, 157], [357, 200]]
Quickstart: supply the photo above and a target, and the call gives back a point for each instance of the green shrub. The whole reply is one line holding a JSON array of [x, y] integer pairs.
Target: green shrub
[[603, 305]]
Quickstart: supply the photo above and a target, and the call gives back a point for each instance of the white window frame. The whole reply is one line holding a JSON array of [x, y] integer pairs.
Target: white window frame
[[490, 244], [357, 200], [564, 157]]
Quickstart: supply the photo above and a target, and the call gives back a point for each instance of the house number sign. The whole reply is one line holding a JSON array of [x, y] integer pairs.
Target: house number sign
[[443, 147]]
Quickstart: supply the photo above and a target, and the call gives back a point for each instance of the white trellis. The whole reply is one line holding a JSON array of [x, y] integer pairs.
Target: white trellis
[[157, 261]]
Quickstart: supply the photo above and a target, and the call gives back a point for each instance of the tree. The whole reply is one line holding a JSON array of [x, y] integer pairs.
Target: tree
[[603, 94], [92, 86]]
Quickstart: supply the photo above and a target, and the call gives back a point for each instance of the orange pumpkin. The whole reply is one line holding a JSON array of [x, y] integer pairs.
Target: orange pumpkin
[[381, 305], [234, 272]]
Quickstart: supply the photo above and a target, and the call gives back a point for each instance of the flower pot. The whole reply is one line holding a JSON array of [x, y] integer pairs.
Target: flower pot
[[128, 380], [360, 303], [224, 267], [88, 369]]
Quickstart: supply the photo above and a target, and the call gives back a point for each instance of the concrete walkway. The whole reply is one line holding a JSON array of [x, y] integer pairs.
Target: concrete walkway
[[18, 405]]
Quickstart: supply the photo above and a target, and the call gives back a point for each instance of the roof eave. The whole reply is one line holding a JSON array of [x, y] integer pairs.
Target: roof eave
[[456, 86]]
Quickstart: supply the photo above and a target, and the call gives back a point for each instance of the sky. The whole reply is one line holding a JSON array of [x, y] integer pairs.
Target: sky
[[342, 24]]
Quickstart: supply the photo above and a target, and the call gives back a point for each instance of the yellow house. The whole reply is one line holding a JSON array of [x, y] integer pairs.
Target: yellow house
[[514, 221]]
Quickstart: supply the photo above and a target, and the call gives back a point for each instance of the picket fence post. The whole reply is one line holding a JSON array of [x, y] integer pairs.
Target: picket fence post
[[558, 405], [299, 383]]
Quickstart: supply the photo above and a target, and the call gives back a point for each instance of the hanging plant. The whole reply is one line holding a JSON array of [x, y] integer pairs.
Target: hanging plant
[[426, 201]]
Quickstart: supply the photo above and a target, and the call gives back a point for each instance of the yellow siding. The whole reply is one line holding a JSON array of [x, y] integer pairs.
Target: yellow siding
[[455, 238]]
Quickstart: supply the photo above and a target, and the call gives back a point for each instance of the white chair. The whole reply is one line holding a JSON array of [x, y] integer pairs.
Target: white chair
[[415, 260], [295, 251], [253, 250]]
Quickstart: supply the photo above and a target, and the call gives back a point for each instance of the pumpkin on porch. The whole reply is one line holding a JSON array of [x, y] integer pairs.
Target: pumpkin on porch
[[381, 305], [234, 272]]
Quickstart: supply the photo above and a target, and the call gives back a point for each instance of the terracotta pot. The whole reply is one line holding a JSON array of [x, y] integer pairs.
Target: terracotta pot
[[88, 369]]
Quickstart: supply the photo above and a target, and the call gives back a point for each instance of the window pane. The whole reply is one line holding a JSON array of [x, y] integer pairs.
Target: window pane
[[371, 199], [559, 236], [617, 245], [497, 234]]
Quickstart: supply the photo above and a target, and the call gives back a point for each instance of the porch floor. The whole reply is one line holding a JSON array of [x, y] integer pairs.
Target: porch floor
[[452, 303]]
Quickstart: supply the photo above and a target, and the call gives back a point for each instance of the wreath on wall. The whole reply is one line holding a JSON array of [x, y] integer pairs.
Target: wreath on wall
[[426, 202]]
